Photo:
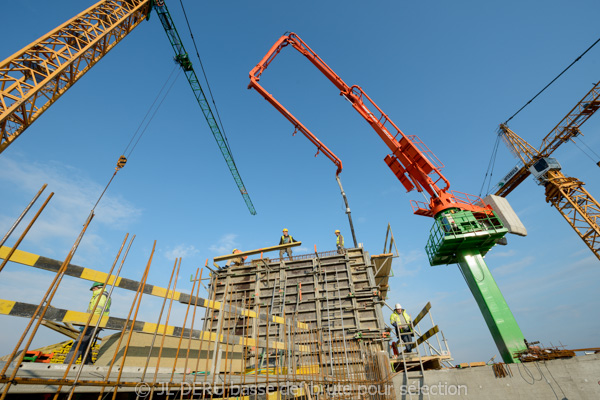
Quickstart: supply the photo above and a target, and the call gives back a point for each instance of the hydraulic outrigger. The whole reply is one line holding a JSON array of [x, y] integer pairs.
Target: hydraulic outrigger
[[465, 229]]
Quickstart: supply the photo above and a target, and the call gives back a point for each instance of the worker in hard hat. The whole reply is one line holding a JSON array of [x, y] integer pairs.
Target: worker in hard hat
[[237, 260], [87, 337], [339, 242], [401, 322], [286, 238]]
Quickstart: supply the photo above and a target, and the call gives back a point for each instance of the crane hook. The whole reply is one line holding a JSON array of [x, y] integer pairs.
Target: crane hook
[[121, 163]]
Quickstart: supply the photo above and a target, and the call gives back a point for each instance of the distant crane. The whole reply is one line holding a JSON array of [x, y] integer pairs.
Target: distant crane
[[566, 194], [32, 79], [465, 229]]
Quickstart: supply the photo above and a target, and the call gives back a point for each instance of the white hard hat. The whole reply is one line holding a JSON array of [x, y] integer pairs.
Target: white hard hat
[[398, 306]]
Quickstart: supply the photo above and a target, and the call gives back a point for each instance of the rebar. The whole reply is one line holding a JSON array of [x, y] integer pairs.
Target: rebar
[[92, 313], [47, 299], [137, 308], [18, 220], [162, 343], [162, 309], [298, 351], [25, 232]]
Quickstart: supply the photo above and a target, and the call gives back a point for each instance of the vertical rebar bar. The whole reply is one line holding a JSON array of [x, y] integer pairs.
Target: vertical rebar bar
[[246, 355], [137, 308], [227, 342], [25, 232], [183, 330], [267, 349], [92, 312], [118, 345], [25, 211], [191, 332], [205, 324], [162, 309], [256, 339], [47, 299], [162, 343], [220, 322]]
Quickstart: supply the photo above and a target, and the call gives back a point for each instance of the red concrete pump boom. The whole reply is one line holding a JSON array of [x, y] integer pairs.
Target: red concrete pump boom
[[411, 161]]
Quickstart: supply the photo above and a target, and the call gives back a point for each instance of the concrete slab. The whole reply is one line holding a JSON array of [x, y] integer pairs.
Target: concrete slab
[[576, 378]]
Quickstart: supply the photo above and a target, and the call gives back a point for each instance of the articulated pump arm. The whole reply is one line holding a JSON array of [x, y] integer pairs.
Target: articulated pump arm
[[255, 77], [411, 161]]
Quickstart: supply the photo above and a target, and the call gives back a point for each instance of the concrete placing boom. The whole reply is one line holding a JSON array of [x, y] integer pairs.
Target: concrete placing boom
[[464, 229], [35, 77], [566, 194]]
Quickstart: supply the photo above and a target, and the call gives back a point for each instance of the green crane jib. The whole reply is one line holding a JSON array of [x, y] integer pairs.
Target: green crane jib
[[182, 58]]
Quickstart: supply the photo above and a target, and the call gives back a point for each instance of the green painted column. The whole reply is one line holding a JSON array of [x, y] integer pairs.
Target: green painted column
[[498, 317]]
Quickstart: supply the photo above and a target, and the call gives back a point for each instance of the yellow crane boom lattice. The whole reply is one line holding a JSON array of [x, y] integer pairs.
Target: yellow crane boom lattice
[[579, 208], [35, 77]]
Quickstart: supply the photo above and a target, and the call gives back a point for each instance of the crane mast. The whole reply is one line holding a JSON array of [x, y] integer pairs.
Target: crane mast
[[576, 205], [34, 78], [465, 228]]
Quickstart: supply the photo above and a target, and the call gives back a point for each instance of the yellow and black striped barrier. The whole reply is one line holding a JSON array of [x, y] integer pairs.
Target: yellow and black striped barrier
[[48, 264], [26, 310], [422, 314], [428, 334]]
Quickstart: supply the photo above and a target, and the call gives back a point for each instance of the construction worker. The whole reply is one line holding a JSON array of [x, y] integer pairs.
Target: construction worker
[[400, 320], [85, 337], [237, 260], [339, 242], [286, 238]]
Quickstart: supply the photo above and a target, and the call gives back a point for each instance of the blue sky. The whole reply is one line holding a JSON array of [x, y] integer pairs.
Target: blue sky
[[448, 72]]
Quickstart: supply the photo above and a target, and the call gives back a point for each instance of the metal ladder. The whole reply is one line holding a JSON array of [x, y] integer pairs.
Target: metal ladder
[[276, 308], [404, 362], [325, 289]]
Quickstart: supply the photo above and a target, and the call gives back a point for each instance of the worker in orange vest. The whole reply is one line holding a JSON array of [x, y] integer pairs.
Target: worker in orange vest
[[237, 260]]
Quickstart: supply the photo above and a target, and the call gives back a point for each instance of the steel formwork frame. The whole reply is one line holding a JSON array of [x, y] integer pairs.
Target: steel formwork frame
[[333, 294]]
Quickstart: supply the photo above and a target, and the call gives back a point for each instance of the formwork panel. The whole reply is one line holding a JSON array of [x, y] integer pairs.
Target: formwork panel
[[335, 293]]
